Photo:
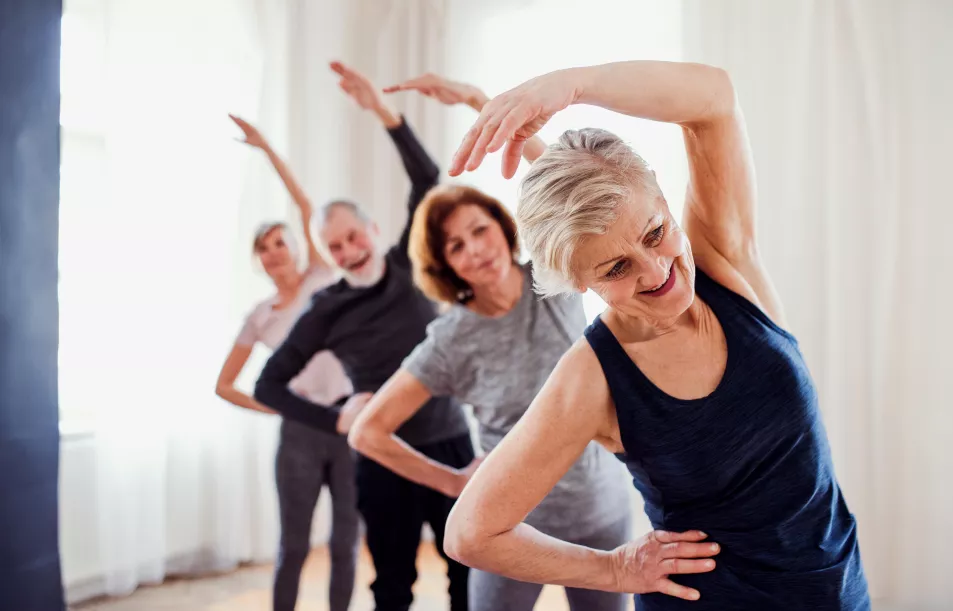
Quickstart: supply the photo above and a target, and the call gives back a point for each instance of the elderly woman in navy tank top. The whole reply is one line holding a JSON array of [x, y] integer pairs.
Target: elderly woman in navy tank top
[[689, 375]]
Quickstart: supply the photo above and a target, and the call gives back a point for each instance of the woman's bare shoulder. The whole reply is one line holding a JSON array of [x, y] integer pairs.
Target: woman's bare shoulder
[[581, 392]]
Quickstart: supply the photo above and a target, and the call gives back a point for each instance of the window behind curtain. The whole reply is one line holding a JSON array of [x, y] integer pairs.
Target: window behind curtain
[[84, 258]]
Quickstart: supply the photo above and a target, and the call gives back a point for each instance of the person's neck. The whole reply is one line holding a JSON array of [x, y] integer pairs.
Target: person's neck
[[288, 285], [498, 299], [633, 329]]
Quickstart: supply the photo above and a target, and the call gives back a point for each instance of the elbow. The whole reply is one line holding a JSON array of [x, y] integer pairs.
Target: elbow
[[357, 438], [221, 389], [364, 439], [724, 102], [460, 542]]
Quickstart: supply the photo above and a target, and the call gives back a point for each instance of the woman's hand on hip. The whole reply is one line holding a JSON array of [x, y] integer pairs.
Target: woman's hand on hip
[[644, 565], [464, 475], [351, 410], [514, 117]]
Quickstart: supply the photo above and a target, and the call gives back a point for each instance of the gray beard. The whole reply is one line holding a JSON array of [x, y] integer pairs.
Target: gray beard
[[366, 280]]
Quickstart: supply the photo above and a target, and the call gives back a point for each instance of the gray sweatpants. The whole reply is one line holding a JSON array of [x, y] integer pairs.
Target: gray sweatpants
[[489, 592], [307, 460]]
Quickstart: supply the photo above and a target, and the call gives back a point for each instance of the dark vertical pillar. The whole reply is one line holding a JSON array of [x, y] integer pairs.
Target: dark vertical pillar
[[29, 204]]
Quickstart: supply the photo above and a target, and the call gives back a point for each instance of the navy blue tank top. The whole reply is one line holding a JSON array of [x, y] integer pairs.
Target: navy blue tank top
[[749, 465]]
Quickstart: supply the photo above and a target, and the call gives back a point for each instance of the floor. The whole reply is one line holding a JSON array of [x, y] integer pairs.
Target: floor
[[249, 589]]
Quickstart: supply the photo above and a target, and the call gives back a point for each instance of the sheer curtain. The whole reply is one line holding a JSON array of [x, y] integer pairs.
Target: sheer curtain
[[156, 275], [344, 151], [156, 267], [847, 106]]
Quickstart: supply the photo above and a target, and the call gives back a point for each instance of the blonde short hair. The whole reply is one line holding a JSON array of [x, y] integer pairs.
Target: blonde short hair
[[572, 191]]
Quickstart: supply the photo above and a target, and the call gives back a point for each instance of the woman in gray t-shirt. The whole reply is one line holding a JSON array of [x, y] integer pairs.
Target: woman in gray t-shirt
[[493, 349]]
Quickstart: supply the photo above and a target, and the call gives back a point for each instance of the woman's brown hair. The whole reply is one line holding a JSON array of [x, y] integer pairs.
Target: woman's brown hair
[[427, 239]]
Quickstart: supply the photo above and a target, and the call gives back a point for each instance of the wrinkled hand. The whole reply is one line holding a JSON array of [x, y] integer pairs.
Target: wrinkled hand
[[252, 136], [465, 474], [351, 410], [512, 118], [358, 87], [644, 565], [443, 90]]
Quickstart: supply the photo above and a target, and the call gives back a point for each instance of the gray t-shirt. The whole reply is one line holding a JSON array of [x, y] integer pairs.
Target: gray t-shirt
[[498, 365]]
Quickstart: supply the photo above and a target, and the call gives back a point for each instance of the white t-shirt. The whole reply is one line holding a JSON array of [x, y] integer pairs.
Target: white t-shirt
[[323, 379]]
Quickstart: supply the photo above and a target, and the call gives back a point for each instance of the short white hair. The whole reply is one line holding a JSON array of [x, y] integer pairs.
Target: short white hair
[[342, 204], [572, 191]]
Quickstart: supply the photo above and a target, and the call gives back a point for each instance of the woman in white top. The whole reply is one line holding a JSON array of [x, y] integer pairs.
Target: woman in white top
[[307, 458]]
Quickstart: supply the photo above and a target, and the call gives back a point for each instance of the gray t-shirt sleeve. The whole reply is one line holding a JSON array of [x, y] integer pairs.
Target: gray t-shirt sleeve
[[430, 362]]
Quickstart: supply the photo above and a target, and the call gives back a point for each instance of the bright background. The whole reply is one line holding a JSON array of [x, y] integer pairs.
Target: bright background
[[847, 105]]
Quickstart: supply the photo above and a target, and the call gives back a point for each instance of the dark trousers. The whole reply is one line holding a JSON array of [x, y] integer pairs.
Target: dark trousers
[[394, 511], [307, 461]]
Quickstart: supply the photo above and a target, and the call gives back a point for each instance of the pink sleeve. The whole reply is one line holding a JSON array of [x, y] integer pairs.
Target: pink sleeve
[[249, 332], [317, 277]]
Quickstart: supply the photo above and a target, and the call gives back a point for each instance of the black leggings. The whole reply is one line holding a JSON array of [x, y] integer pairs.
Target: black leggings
[[394, 510], [309, 459]]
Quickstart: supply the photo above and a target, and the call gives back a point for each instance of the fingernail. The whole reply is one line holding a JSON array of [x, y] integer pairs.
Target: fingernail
[[709, 564], [695, 595], [714, 547], [703, 535]]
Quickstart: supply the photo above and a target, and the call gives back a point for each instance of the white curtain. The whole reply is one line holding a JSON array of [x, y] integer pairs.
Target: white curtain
[[156, 264], [155, 277], [847, 104], [344, 151]]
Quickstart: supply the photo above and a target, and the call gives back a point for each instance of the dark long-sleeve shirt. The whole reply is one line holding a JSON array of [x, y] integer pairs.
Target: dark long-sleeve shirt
[[369, 329]]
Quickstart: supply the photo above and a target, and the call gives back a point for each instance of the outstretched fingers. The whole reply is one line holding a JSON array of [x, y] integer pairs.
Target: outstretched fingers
[[495, 127], [480, 147], [667, 586], [682, 566], [685, 549], [499, 128], [408, 85], [664, 536], [341, 69], [513, 120], [466, 146], [511, 157]]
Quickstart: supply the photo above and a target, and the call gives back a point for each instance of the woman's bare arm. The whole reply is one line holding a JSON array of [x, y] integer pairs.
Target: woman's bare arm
[[485, 529], [225, 386], [374, 435], [254, 138]]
